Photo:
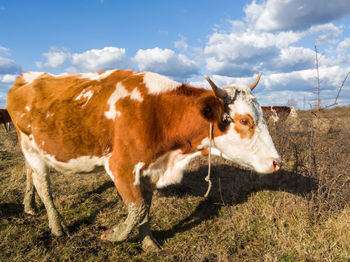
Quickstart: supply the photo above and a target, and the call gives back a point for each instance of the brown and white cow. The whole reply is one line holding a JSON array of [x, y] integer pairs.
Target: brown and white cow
[[143, 128], [5, 119], [278, 113]]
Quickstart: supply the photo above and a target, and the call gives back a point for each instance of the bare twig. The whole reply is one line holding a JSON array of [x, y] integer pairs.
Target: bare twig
[[318, 82], [340, 88]]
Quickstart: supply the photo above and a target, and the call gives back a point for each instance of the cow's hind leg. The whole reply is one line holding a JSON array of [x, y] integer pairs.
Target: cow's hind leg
[[29, 196], [41, 182], [145, 235]]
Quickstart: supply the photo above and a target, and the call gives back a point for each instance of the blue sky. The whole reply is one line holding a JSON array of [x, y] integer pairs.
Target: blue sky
[[231, 41]]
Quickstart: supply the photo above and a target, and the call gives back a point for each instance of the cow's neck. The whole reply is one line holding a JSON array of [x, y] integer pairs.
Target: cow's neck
[[184, 126]]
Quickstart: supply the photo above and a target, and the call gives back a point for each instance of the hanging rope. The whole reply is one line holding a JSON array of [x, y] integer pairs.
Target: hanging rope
[[207, 178]]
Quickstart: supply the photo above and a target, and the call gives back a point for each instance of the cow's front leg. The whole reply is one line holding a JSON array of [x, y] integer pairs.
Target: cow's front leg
[[132, 196], [120, 232]]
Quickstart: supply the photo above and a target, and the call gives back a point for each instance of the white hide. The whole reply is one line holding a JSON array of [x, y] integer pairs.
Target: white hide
[[157, 84], [96, 76], [137, 172], [85, 95], [40, 161], [166, 170], [119, 93], [136, 95], [29, 77]]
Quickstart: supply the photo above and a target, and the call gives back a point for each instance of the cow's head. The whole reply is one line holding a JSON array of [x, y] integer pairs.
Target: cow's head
[[247, 141]]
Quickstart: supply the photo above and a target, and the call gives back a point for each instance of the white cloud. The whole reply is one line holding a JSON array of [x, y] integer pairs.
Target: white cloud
[[326, 33], [9, 78], [243, 49], [274, 15], [100, 59], [343, 51], [246, 52], [165, 61], [299, 84], [292, 59], [55, 58], [89, 61]]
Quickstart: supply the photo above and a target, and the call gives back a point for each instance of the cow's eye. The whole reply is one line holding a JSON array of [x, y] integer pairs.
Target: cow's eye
[[244, 122]]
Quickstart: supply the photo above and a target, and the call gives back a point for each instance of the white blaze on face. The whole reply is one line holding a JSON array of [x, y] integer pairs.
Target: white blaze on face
[[258, 151]]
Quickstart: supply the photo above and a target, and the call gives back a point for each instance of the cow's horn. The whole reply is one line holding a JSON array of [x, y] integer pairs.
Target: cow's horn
[[253, 85], [217, 91]]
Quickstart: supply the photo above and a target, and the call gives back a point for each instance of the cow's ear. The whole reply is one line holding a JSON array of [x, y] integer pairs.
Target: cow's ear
[[211, 108]]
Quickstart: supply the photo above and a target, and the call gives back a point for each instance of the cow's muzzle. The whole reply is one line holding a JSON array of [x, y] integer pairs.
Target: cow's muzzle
[[276, 164]]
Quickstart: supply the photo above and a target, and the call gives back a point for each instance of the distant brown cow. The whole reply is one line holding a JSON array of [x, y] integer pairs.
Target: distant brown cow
[[5, 119], [278, 113]]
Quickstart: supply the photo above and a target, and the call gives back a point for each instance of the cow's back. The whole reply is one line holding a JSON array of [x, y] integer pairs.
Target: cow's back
[[64, 114]]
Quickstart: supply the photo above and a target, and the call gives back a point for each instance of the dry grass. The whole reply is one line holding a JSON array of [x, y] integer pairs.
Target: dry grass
[[301, 213]]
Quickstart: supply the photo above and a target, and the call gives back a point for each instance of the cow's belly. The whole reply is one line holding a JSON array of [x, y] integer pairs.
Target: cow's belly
[[40, 160], [167, 169], [83, 164]]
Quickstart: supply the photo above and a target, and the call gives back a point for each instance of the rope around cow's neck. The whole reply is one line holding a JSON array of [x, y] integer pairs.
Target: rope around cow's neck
[[207, 178]]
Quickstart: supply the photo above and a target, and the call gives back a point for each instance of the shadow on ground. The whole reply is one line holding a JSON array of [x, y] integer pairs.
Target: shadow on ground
[[230, 186]]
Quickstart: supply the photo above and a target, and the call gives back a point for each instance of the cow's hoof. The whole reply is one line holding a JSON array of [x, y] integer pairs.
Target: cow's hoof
[[30, 211], [60, 230], [116, 234], [150, 245], [29, 207]]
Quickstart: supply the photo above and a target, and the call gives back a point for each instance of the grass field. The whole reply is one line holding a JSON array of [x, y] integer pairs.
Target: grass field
[[301, 213]]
